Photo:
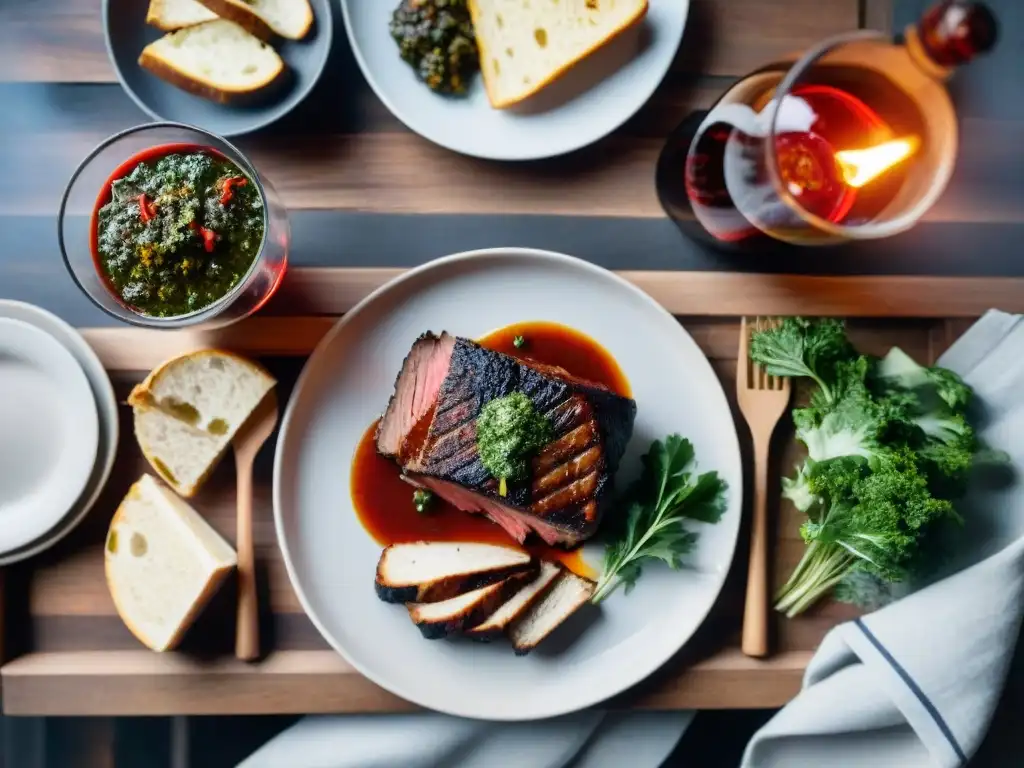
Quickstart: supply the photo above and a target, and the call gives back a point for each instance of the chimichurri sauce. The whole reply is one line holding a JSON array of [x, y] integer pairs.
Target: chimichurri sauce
[[178, 231]]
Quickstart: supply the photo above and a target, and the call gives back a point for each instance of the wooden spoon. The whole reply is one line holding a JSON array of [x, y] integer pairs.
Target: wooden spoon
[[248, 441]]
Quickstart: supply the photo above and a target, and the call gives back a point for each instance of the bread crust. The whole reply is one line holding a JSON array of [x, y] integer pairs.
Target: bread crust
[[157, 65], [240, 13], [154, 17], [497, 103]]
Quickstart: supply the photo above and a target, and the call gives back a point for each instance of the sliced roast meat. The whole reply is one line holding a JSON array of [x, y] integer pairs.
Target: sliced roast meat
[[415, 393], [432, 571], [558, 603], [569, 485], [517, 605], [452, 616]]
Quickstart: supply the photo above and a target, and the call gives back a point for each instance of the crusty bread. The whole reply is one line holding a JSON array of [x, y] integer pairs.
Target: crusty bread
[[558, 603], [287, 18], [452, 616], [189, 409], [524, 47], [170, 15], [515, 607], [432, 571], [163, 562], [218, 60]]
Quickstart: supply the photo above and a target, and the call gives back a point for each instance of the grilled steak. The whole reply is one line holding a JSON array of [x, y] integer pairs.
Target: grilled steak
[[432, 434]]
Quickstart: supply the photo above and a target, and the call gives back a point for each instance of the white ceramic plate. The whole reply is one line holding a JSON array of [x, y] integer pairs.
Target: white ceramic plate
[[346, 385], [589, 102], [106, 405], [49, 433]]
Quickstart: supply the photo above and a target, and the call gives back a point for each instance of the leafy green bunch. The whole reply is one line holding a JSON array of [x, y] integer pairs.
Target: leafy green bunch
[[888, 447]]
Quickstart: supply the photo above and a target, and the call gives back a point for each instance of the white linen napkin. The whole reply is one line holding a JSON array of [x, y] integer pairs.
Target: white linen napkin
[[590, 739], [917, 682]]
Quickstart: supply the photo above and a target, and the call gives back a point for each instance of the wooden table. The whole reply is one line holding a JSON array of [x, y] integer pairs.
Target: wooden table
[[369, 198]]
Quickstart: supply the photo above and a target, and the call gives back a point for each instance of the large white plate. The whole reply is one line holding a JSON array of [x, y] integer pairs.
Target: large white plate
[[106, 406], [345, 386], [589, 102], [49, 433]]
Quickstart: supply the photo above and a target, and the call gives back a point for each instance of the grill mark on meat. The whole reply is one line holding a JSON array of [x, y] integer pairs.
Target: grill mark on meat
[[570, 478], [581, 464], [568, 497]]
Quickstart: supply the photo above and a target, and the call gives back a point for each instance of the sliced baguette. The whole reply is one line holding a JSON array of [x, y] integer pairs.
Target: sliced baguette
[[432, 571], [162, 562], [188, 410], [524, 48], [562, 600], [218, 60], [517, 605], [170, 15], [453, 616], [287, 18]]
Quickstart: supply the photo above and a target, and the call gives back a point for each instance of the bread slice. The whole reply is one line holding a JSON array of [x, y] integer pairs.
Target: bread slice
[[516, 606], [561, 601], [163, 562], [450, 617], [287, 18], [188, 410], [218, 60], [432, 571], [170, 15], [524, 47]]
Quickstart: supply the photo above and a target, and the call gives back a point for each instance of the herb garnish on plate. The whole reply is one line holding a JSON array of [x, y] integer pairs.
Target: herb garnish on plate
[[660, 504]]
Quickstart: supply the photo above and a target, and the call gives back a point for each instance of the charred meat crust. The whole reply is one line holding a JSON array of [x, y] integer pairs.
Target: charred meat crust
[[476, 613], [449, 586], [572, 476]]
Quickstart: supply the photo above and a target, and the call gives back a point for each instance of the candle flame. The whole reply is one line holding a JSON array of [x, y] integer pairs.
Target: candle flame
[[859, 166]]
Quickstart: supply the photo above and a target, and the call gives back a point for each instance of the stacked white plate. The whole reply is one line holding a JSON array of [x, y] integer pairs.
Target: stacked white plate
[[58, 430]]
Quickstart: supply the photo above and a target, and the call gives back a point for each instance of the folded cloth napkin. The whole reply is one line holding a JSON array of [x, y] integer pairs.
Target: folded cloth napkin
[[917, 682], [590, 739]]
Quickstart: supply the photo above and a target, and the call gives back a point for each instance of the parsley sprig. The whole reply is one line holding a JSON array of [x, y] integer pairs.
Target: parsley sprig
[[661, 502]]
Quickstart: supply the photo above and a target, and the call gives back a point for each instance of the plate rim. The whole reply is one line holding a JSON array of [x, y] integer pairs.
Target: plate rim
[[533, 254], [57, 363], [259, 125], [77, 512], [497, 153]]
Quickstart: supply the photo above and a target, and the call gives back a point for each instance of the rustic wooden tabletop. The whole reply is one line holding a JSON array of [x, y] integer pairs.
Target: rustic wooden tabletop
[[367, 198]]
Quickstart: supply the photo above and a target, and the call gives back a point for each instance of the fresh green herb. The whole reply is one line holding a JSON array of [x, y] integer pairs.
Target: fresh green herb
[[888, 447], [422, 499], [508, 431], [519, 342], [660, 504]]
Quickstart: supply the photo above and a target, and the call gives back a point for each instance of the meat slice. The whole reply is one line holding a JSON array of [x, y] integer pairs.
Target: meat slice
[[561, 601], [569, 485], [432, 571], [415, 392], [517, 605], [450, 617]]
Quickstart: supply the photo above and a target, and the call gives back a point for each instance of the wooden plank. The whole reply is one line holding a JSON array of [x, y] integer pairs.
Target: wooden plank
[[304, 682], [735, 37], [399, 172], [62, 40], [720, 294]]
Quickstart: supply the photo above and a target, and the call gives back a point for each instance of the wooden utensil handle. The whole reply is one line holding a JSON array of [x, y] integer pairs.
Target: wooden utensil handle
[[755, 612], [247, 633]]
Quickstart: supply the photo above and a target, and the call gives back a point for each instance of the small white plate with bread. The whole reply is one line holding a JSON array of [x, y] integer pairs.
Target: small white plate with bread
[[524, 79], [229, 66]]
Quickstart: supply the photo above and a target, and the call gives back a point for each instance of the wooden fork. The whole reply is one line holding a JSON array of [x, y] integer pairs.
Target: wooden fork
[[247, 443], [762, 400]]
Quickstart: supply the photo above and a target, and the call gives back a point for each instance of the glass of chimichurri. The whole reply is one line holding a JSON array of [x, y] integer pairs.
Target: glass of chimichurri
[[167, 225]]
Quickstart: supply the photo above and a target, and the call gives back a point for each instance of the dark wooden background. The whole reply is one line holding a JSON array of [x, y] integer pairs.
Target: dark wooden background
[[365, 192]]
